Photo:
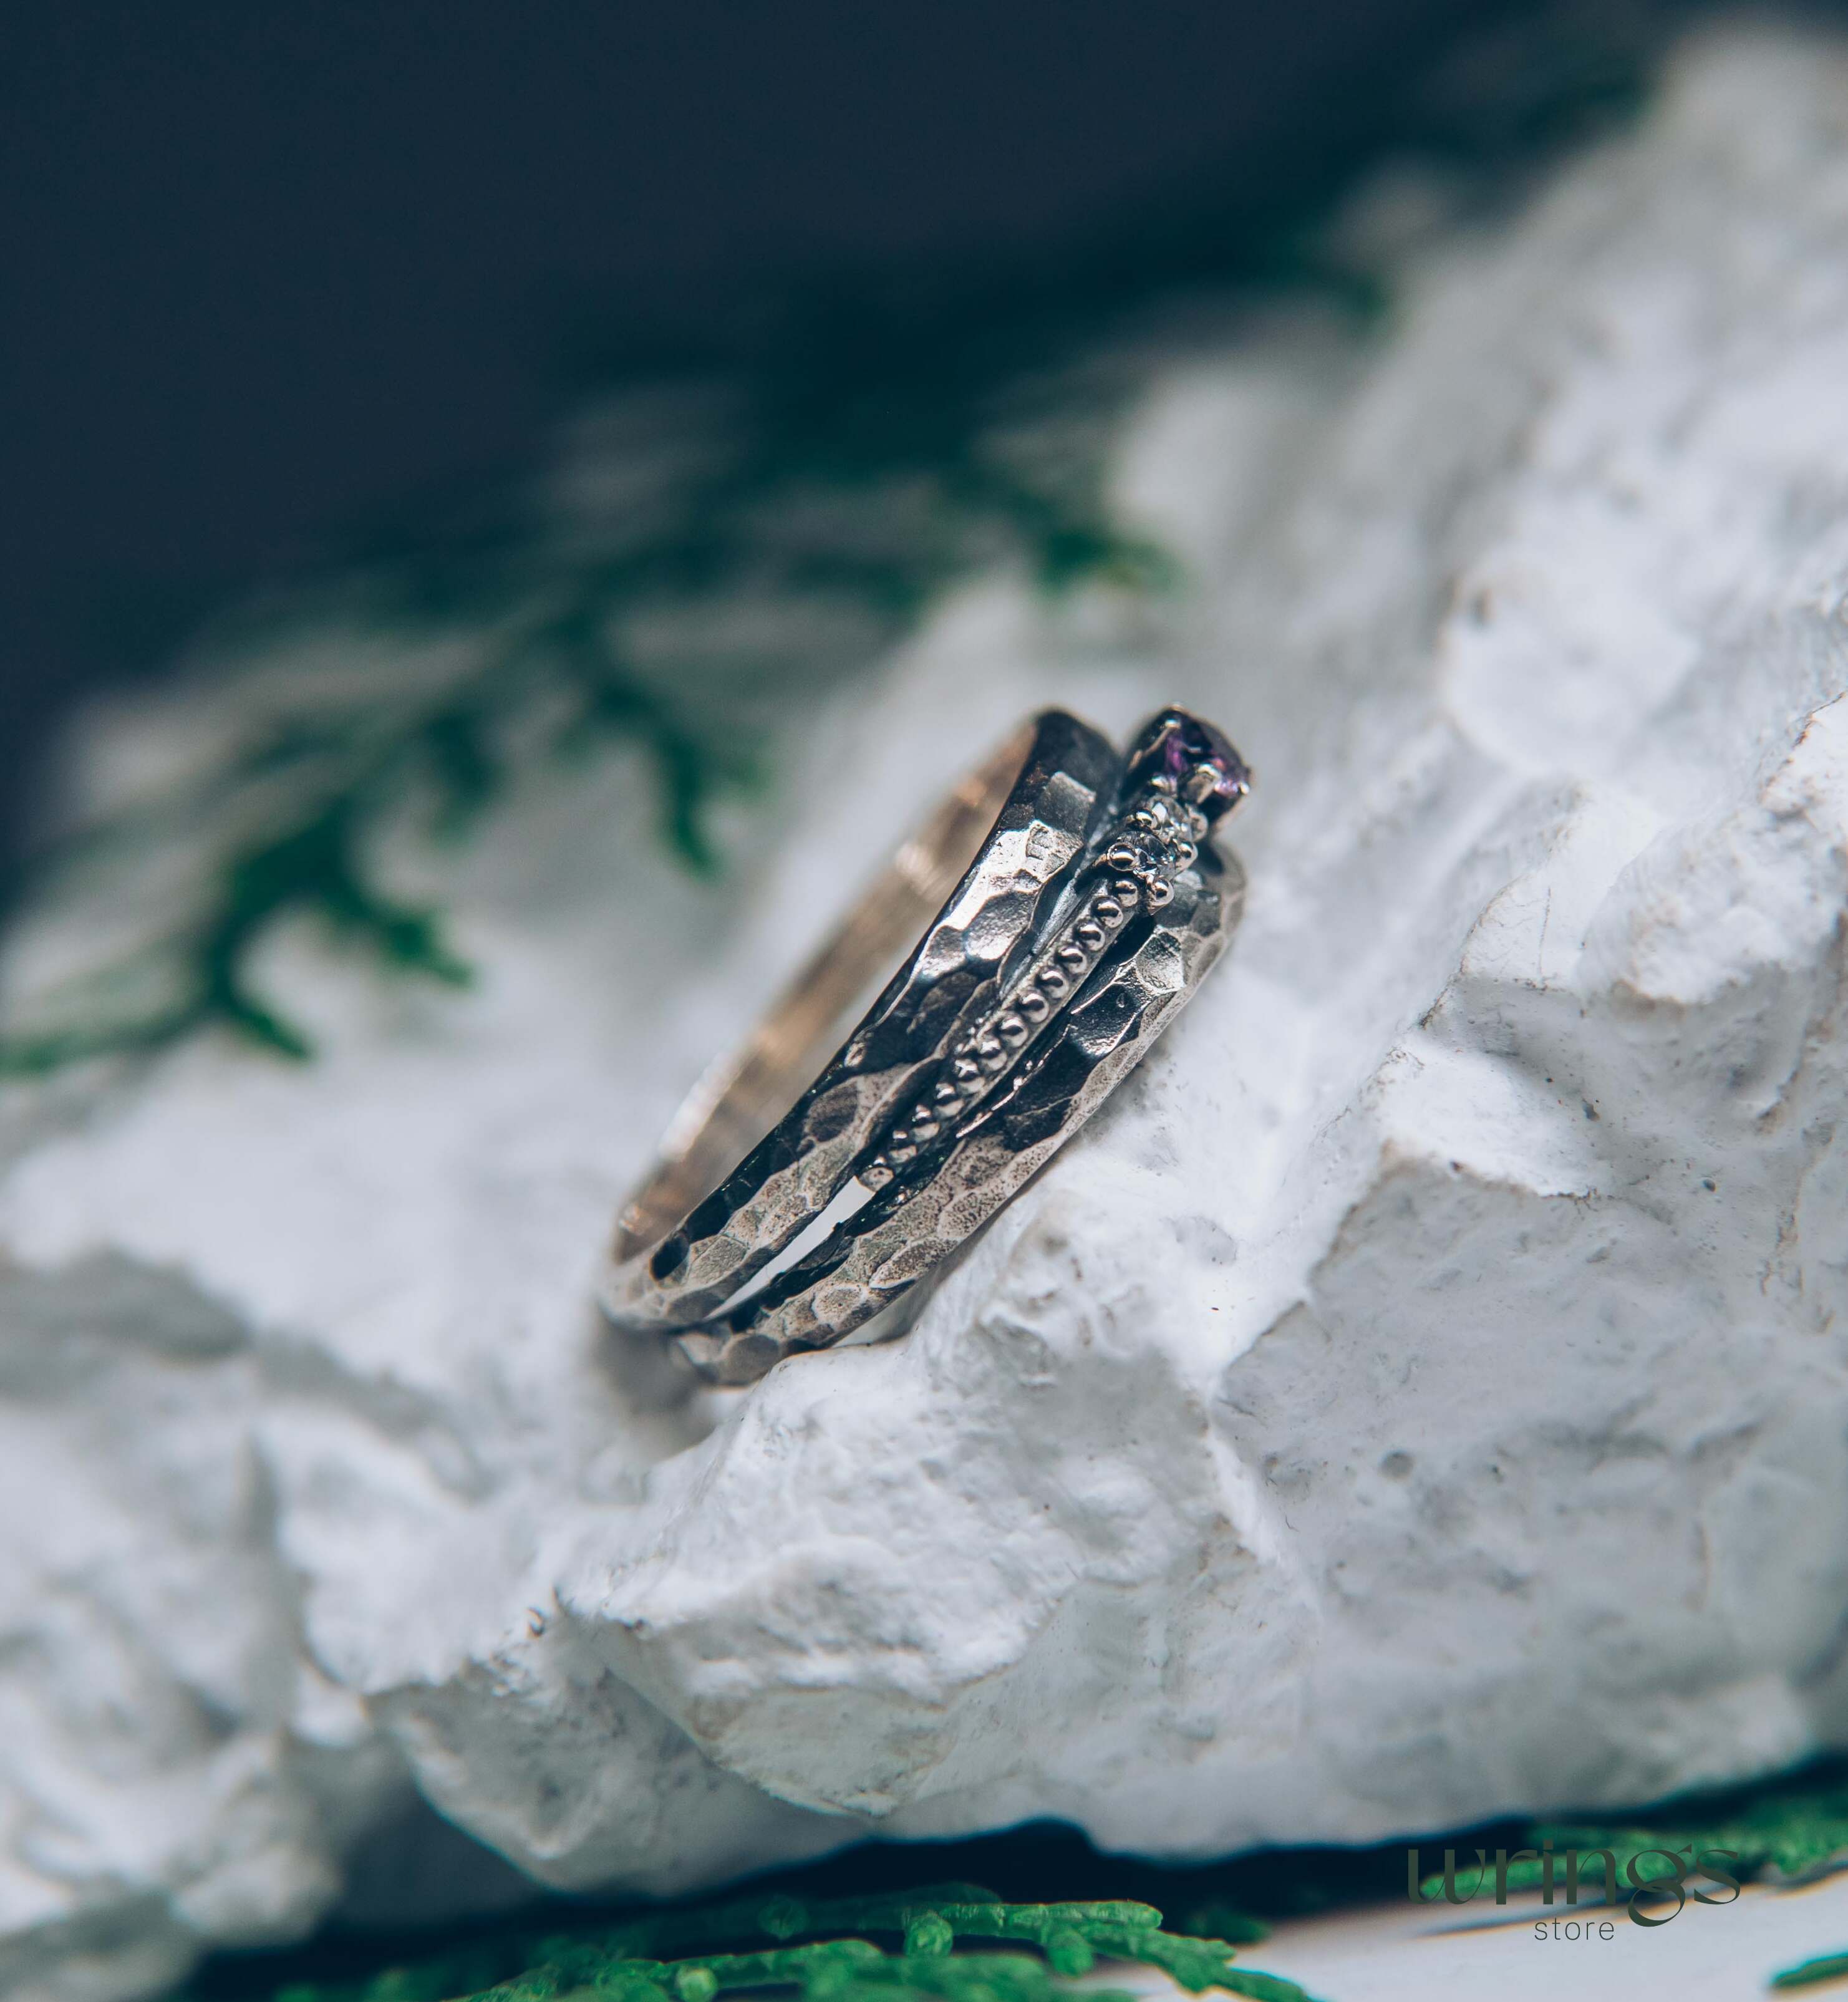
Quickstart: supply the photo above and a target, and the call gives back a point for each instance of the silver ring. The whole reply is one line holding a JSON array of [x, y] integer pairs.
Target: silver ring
[[1055, 912]]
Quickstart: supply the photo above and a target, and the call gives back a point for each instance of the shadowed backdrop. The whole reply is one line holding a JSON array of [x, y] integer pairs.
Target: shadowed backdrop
[[271, 271]]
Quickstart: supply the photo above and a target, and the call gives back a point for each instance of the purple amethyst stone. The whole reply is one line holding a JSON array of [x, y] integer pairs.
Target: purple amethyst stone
[[1203, 762]]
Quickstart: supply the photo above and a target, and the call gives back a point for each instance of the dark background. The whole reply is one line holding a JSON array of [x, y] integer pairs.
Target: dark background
[[264, 267]]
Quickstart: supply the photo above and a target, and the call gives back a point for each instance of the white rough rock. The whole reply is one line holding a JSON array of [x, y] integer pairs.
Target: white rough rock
[[1422, 1396]]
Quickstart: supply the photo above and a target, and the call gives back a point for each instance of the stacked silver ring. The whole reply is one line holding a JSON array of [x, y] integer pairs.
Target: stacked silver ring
[[1094, 906]]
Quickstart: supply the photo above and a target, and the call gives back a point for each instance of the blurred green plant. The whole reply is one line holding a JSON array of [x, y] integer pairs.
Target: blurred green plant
[[548, 609], [550, 623], [1813, 1973], [855, 456], [1790, 1827], [951, 1947], [954, 1943]]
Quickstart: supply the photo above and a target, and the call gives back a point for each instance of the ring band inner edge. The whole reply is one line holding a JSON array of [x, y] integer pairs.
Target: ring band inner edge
[[741, 1097]]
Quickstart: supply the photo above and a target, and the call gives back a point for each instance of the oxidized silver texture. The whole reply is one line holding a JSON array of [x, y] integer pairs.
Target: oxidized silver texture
[[1093, 911]]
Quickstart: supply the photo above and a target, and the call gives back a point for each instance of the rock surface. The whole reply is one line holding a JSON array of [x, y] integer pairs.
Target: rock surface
[[1421, 1395]]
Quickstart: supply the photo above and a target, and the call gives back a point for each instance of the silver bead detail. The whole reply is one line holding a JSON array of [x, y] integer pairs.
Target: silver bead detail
[[1035, 1007], [966, 1068], [1127, 887], [1159, 893], [1107, 911], [1089, 933], [1011, 1029], [1073, 958], [1054, 980]]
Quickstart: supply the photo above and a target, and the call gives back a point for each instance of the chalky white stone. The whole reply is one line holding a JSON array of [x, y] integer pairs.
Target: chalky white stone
[[1419, 1395]]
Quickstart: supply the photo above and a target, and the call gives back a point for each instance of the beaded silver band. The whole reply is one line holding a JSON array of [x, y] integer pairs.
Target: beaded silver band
[[1061, 906]]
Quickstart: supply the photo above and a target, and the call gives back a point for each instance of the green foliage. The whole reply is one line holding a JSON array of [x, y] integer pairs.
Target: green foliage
[[851, 459], [1811, 1973], [1786, 1829], [1791, 1828], [950, 1942], [322, 790], [557, 608], [955, 1941]]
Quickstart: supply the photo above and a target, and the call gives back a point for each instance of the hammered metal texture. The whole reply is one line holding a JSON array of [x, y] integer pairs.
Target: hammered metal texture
[[1095, 909], [1044, 829]]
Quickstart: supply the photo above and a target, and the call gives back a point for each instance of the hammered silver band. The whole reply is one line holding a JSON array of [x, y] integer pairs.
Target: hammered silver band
[[1055, 912]]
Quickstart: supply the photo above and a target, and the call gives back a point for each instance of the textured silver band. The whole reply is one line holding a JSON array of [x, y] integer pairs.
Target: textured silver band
[[1060, 907]]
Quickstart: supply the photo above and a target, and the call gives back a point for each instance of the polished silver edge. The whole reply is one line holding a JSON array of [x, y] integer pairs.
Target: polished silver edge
[[951, 1095]]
